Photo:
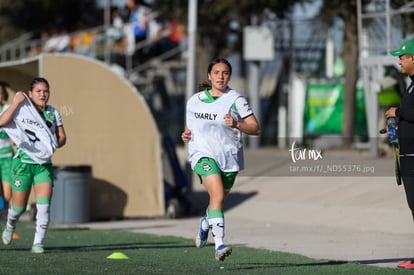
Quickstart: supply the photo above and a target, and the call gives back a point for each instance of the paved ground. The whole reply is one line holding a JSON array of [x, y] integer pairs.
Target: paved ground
[[336, 205]]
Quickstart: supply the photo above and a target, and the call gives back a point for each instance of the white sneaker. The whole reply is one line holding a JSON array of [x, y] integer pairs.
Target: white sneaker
[[222, 252], [202, 235], [7, 235], [37, 248]]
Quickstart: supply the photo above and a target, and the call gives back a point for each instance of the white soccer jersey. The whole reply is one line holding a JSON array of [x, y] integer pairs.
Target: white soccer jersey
[[210, 136], [4, 139]]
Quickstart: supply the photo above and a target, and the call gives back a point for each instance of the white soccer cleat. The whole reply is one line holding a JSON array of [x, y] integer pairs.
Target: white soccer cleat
[[37, 248], [7, 235], [222, 252], [202, 235]]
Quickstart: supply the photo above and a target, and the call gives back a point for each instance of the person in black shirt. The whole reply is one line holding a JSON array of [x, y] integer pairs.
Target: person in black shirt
[[405, 117]]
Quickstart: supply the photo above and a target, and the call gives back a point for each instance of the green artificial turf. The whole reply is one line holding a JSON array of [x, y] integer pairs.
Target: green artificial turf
[[85, 251]]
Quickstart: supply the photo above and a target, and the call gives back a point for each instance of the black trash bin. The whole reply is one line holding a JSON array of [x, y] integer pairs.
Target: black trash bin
[[71, 192]]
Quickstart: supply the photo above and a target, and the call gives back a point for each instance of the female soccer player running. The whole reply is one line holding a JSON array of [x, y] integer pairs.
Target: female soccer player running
[[216, 117]]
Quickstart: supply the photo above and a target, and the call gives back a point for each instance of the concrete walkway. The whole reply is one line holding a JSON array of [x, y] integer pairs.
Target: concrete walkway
[[306, 205]]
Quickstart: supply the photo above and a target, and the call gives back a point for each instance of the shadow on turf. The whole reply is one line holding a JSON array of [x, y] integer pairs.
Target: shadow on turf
[[247, 266], [109, 247], [123, 246], [114, 229], [200, 200]]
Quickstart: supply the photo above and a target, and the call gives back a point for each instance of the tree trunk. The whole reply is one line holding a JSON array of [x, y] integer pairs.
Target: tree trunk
[[350, 57]]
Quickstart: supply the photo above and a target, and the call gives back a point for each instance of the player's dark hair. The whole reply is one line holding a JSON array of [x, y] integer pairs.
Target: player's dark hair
[[203, 86], [216, 61], [38, 80]]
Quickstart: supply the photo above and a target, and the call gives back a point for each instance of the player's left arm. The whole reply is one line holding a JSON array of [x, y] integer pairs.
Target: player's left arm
[[60, 130], [248, 123], [60, 135]]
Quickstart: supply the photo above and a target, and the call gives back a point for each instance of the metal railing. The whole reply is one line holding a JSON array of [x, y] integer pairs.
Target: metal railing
[[94, 42]]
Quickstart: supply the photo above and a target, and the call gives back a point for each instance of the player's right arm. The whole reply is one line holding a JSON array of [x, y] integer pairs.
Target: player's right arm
[[7, 116], [186, 135]]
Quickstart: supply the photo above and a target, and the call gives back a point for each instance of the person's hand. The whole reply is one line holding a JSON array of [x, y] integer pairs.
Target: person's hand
[[390, 112], [19, 98], [186, 136], [228, 119]]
